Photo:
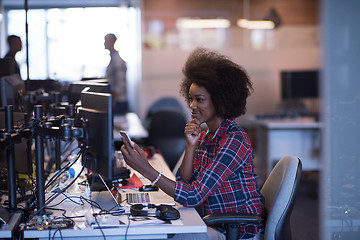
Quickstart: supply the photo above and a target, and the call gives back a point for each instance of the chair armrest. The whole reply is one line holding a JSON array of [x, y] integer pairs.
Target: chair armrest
[[232, 218]]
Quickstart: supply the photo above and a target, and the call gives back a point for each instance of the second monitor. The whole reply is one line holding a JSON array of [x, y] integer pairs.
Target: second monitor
[[95, 115]]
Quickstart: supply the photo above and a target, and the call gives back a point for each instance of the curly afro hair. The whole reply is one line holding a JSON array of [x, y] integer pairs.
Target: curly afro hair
[[227, 82]]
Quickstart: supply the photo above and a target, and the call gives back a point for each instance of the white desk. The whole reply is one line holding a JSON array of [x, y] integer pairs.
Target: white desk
[[6, 231], [131, 123], [191, 221], [278, 138]]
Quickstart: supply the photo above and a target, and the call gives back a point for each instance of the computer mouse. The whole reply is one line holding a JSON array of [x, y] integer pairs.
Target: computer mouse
[[148, 188], [167, 212]]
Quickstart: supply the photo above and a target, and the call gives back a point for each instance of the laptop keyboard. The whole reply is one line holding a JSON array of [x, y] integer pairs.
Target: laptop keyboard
[[141, 198]]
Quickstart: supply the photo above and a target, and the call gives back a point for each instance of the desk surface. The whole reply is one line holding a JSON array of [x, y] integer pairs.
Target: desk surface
[[190, 221], [131, 123], [7, 230], [285, 123]]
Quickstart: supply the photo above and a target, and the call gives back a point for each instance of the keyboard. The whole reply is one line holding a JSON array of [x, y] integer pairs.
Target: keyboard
[[130, 197], [138, 198]]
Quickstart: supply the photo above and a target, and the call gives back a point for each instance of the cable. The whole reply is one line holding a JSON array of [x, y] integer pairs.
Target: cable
[[97, 222], [55, 195], [58, 229], [127, 227], [65, 168], [66, 149], [95, 217]]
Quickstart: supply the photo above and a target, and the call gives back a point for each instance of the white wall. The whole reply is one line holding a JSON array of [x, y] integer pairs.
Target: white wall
[[293, 48]]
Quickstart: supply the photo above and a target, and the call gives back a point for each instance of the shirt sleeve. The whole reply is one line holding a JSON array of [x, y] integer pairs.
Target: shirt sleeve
[[232, 155]]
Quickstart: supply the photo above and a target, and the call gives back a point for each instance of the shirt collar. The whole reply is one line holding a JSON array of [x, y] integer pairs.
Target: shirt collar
[[221, 130]]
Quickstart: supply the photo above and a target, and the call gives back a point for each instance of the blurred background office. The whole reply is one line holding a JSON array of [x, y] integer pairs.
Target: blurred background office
[[65, 43]]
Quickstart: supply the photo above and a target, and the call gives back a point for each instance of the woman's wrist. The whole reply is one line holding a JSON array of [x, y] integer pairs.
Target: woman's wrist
[[189, 146], [151, 174], [156, 179]]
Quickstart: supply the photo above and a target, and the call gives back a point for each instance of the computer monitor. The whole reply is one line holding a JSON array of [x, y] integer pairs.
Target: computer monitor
[[96, 118], [12, 87], [299, 84], [75, 89], [22, 162]]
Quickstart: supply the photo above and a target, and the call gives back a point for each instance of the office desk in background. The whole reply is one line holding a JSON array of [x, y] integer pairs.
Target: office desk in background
[[131, 123], [276, 138], [190, 222]]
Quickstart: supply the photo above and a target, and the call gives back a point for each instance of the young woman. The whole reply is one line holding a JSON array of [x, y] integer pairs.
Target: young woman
[[217, 171]]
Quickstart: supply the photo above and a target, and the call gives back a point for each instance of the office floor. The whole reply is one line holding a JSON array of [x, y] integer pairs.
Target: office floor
[[305, 215]]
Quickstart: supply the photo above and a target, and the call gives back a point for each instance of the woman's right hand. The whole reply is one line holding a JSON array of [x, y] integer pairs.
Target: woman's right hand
[[134, 156], [192, 131]]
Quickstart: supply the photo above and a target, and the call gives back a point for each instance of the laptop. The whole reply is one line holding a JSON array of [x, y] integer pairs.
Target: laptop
[[127, 197]]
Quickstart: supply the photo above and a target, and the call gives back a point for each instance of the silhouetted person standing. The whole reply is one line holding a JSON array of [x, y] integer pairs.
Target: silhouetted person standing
[[116, 74], [15, 46]]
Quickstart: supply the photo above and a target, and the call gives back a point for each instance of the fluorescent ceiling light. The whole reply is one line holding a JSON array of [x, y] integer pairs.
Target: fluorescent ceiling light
[[255, 24], [202, 23]]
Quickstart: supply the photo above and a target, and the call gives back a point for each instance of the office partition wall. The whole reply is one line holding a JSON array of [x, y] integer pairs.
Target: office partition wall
[[340, 181]]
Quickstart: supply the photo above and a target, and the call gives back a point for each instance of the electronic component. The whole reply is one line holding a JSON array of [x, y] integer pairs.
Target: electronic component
[[45, 222]]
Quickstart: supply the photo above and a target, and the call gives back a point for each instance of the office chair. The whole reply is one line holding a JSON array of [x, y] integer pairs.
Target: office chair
[[279, 192], [178, 163], [163, 104], [166, 133]]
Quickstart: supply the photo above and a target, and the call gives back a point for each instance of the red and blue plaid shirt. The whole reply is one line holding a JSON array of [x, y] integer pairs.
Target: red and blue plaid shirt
[[224, 179]]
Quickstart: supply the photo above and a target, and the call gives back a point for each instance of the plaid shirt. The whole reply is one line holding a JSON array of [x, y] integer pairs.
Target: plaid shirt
[[224, 179]]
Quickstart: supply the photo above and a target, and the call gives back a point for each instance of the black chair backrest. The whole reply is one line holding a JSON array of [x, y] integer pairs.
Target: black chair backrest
[[166, 133], [165, 103], [167, 123]]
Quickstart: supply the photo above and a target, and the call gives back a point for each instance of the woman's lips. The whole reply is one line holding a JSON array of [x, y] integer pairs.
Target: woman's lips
[[195, 115]]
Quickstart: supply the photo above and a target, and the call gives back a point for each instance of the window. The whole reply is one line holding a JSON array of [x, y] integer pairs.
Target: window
[[68, 44]]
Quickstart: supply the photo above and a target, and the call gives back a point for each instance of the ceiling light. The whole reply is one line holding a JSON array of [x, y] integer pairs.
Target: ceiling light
[[202, 23], [255, 24]]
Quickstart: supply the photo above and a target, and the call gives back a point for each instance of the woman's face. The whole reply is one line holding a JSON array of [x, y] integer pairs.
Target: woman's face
[[200, 104]]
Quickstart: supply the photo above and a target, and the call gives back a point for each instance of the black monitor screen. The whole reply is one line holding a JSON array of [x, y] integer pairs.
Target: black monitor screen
[[22, 163], [96, 116], [299, 84], [11, 88], [76, 88]]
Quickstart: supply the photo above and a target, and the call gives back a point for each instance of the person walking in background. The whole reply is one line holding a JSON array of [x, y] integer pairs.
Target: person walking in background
[[15, 45], [116, 75]]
